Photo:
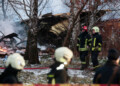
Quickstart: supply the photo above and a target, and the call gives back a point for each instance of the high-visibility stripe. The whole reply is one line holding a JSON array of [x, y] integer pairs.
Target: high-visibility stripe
[[99, 49], [89, 41], [51, 75], [99, 44], [83, 62], [93, 48], [53, 81], [85, 46], [96, 66], [83, 49], [94, 42]]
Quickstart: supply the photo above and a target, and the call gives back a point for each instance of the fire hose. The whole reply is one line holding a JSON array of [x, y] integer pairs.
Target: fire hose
[[40, 68]]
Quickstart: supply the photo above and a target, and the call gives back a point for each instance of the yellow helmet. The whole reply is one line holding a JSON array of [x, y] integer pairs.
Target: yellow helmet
[[63, 54], [96, 29], [16, 61]]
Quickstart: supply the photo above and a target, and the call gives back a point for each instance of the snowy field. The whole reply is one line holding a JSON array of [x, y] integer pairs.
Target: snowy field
[[30, 76]]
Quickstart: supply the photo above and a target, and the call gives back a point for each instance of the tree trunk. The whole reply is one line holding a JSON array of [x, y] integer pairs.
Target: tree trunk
[[71, 26], [75, 30], [32, 52], [31, 49], [66, 40], [3, 9], [93, 14], [75, 34]]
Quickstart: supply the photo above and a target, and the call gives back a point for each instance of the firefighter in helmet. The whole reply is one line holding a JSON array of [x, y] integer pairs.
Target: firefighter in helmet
[[96, 46], [83, 44], [58, 73], [14, 63]]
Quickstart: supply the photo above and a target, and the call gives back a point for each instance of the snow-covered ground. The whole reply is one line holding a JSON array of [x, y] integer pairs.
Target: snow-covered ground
[[30, 76]]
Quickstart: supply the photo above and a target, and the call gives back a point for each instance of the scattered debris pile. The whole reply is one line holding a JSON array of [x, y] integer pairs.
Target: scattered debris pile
[[9, 44]]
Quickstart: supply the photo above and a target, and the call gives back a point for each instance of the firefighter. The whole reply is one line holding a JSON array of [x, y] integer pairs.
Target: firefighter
[[110, 72], [83, 45], [14, 63], [96, 45], [58, 73]]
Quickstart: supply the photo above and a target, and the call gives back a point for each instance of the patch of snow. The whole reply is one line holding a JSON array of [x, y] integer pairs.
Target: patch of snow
[[77, 73], [38, 71]]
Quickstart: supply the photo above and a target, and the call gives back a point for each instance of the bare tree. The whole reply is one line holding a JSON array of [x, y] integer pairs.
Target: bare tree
[[30, 8], [95, 10], [4, 7], [31, 50], [73, 19], [77, 8]]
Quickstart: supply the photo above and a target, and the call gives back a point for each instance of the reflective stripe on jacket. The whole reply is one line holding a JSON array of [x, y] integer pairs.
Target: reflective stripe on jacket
[[96, 44], [57, 76], [51, 78], [84, 40]]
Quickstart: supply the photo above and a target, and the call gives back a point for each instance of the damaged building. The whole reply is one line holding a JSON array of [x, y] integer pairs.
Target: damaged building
[[52, 29]]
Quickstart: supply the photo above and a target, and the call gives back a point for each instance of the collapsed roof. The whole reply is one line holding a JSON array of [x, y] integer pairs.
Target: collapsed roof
[[52, 28]]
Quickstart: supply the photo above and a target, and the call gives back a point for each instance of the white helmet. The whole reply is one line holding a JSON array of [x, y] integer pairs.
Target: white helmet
[[96, 29], [16, 61], [63, 54]]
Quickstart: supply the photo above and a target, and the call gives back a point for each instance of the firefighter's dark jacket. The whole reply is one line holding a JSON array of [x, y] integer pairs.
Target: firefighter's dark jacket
[[9, 76], [96, 44], [84, 40], [57, 76], [108, 74]]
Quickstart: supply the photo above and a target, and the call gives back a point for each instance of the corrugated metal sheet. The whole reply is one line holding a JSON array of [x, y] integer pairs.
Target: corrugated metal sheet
[[58, 28], [110, 31]]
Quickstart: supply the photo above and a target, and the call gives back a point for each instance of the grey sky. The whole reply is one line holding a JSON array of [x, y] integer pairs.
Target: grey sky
[[53, 6], [56, 7]]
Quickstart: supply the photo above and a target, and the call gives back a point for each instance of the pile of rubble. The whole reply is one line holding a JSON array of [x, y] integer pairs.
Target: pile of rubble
[[10, 44]]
